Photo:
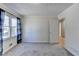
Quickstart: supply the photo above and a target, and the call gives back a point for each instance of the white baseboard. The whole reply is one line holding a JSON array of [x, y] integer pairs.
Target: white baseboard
[[72, 50]]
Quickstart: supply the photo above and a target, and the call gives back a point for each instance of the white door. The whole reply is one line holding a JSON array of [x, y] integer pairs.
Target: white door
[[53, 25], [36, 30]]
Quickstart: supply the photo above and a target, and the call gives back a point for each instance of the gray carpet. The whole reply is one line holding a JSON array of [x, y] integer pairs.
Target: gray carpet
[[26, 49]]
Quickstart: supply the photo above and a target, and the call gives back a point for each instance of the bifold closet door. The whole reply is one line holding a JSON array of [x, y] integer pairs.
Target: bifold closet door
[[36, 30], [53, 25]]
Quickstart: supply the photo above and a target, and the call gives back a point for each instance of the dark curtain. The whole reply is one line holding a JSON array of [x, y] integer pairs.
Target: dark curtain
[[2, 13], [19, 33]]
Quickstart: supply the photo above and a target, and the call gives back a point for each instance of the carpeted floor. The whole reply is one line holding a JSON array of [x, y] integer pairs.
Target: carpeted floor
[[28, 49]]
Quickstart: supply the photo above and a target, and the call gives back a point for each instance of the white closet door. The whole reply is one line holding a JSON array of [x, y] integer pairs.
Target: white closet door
[[36, 30], [53, 24]]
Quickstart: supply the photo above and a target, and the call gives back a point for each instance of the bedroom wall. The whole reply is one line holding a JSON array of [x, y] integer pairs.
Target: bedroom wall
[[71, 26], [42, 29]]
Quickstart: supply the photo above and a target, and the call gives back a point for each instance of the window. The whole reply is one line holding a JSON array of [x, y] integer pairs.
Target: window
[[9, 28], [14, 22], [6, 27], [6, 32], [13, 26], [6, 20]]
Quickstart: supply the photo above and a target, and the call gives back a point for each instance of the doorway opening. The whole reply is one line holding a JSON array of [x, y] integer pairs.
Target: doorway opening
[[61, 32]]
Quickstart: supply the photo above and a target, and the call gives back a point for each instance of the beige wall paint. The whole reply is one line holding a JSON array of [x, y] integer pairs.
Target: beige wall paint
[[45, 27], [71, 26]]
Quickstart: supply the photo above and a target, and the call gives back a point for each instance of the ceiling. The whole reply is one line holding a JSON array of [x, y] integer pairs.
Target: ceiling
[[39, 9]]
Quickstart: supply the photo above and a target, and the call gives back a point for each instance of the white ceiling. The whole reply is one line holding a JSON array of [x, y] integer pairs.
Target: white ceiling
[[39, 9]]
